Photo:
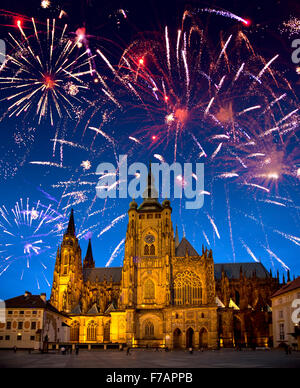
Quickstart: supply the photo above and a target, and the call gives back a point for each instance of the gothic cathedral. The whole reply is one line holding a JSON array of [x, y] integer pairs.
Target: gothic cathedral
[[166, 294]]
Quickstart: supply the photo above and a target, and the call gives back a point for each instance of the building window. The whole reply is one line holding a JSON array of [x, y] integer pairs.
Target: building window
[[149, 329], [34, 312], [21, 312], [157, 216], [19, 337], [32, 338], [149, 216], [92, 331], [142, 216], [281, 331], [7, 338], [149, 288], [149, 250], [10, 313], [1, 337], [33, 325], [187, 289], [20, 325], [74, 331], [8, 325], [146, 250], [280, 314]]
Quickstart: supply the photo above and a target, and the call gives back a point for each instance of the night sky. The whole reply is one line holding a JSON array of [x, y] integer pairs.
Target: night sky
[[230, 101]]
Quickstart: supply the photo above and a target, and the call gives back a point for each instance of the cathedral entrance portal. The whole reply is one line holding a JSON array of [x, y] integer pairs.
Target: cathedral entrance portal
[[189, 338], [177, 336]]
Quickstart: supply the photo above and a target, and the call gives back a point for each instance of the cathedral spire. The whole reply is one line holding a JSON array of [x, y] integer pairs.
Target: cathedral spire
[[150, 195], [71, 226], [89, 260]]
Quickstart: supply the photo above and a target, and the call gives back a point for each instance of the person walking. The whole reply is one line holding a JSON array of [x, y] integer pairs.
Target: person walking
[[76, 349], [128, 351]]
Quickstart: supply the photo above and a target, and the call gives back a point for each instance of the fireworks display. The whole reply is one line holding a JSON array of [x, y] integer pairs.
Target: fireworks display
[[200, 91], [43, 73]]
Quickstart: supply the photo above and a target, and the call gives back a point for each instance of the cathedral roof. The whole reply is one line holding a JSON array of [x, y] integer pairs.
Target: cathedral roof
[[92, 274], [232, 270], [184, 247]]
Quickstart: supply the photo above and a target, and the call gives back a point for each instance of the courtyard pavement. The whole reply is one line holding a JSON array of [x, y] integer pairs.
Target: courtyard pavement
[[224, 358]]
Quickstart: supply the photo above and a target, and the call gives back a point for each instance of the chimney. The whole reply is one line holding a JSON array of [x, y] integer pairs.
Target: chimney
[[27, 293], [43, 296]]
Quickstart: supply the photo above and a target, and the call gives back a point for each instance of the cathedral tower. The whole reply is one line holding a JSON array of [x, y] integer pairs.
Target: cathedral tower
[[146, 275], [67, 281]]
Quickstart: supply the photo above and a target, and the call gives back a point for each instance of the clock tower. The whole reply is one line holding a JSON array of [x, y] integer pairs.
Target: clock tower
[[146, 275]]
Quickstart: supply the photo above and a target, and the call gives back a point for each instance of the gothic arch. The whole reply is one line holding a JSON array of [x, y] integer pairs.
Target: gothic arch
[[187, 289], [149, 289], [177, 339], [190, 334], [91, 331], [74, 331], [148, 329]]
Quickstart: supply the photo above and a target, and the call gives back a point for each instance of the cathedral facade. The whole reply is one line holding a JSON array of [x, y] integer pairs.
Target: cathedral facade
[[166, 294]]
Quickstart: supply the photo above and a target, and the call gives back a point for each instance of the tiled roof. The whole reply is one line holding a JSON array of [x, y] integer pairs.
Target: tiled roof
[[232, 270], [30, 302], [184, 247], [22, 301], [102, 273], [288, 287]]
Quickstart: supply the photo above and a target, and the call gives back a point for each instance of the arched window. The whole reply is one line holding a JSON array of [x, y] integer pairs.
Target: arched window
[[106, 332], [92, 331], [149, 329], [146, 250], [152, 250], [187, 289], [149, 289], [74, 331]]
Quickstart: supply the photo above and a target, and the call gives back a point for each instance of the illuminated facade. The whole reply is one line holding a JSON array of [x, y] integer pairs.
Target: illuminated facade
[[166, 294]]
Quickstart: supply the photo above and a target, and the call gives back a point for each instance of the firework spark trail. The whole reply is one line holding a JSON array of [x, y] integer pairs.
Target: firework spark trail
[[112, 224], [69, 143], [134, 139], [249, 251], [206, 238], [115, 252], [229, 223], [50, 164], [213, 225], [217, 151], [277, 258], [225, 13], [267, 66], [294, 239]]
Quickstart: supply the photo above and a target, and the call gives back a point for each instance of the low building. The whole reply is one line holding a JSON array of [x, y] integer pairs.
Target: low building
[[286, 314], [31, 322]]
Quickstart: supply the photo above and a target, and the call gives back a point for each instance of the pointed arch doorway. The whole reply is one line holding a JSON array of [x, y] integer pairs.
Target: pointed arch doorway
[[189, 338], [177, 338]]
